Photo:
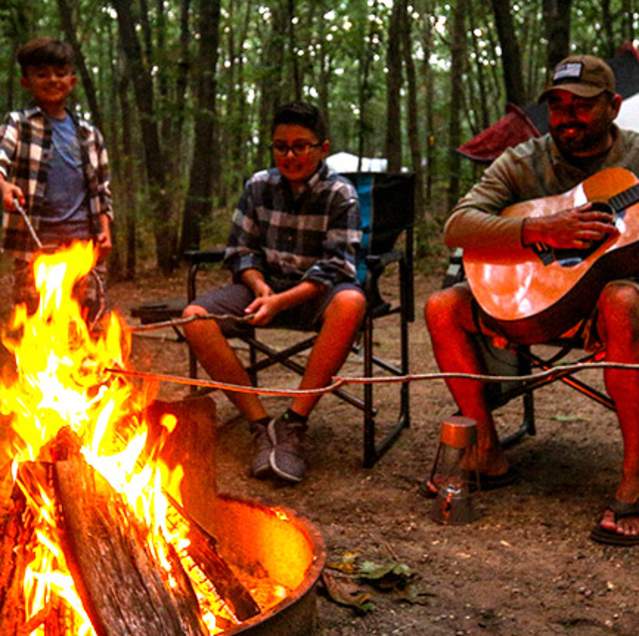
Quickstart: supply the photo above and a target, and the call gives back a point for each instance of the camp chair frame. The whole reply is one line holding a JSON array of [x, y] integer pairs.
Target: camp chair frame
[[520, 360], [387, 206]]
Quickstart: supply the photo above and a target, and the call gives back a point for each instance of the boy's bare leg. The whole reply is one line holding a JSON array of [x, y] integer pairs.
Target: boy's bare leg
[[342, 319], [221, 362], [449, 318]]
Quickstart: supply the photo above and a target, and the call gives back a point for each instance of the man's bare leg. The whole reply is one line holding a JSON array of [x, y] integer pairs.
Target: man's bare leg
[[342, 319], [220, 361], [450, 322], [619, 327]]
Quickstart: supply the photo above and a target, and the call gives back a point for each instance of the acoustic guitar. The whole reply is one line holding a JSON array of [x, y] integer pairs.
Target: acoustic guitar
[[535, 294]]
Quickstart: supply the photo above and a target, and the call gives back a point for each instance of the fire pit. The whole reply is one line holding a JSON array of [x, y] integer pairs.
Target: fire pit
[[110, 522], [275, 542], [287, 547]]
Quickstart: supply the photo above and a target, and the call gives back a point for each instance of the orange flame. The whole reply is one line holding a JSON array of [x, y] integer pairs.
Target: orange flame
[[61, 379]]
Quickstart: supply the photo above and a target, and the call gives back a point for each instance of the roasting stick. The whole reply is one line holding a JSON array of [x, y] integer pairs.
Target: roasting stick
[[339, 381], [38, 242], [176, 322]]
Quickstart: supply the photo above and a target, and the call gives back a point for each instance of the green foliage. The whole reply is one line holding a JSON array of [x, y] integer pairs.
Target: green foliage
[[337, 52]]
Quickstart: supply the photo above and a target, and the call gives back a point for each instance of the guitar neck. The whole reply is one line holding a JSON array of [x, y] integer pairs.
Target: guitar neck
[[625, 199]]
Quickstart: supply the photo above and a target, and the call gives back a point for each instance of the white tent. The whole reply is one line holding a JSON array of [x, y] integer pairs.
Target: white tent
[[346, 162], [628, 116]]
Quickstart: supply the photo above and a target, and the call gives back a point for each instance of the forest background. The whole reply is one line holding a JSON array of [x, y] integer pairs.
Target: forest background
[[184, 92]]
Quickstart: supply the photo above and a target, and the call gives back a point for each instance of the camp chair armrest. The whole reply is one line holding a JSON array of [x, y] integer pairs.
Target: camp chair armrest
[[377, 262], [196, 257]]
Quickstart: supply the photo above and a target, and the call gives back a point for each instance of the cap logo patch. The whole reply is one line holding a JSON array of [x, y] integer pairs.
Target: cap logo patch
[[571, 70]]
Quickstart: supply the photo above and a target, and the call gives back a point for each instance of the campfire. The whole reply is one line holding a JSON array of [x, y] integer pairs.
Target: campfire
[[95, 535]]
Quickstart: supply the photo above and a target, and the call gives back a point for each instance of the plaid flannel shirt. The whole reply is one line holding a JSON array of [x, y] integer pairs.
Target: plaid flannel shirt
[[25, 150], [314, 236]]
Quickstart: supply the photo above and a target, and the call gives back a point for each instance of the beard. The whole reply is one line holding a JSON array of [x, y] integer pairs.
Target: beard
[[579, 140]]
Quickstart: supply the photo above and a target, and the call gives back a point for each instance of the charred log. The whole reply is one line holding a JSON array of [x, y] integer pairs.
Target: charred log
[[203, 550], [16, 532], [114, 571]]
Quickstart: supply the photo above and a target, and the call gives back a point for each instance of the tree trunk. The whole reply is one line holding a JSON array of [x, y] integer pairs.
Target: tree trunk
[[627, 13], [393, 144], [270, 82], [510, 53], [292, 48], [557, 20], [128, 168], [181, 84], [607, 22], [365, 90], [458, 56], [198, 201], [154, 158], [412, 116], [66, 19], [427, 74], [484, 114]]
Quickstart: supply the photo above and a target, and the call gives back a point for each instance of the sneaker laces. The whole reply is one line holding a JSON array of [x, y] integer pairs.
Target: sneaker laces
[[289, 434]]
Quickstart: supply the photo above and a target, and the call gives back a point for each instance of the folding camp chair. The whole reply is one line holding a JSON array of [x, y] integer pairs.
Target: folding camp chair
[[387, 211], [519, 360]]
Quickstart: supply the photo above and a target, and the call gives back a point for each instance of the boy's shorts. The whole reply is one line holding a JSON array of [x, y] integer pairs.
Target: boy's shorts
[[234, 298]]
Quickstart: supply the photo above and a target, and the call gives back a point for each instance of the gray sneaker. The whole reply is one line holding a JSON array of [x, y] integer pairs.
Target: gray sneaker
[[260, 466], [286, 455]]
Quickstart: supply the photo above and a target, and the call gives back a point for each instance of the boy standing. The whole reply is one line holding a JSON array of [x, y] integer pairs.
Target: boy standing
[[292, 252], [54, 165]]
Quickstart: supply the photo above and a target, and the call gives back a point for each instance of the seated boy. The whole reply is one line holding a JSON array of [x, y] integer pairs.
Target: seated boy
[[292, 252], [54, 165]]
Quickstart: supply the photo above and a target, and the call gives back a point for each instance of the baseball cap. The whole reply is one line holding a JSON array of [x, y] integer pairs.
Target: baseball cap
[[583, 75]]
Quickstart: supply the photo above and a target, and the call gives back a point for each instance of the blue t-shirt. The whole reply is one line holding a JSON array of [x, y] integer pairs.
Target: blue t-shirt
[[66, 192]]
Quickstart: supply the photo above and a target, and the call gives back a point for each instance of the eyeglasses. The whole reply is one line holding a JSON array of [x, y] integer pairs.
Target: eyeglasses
[[299, 148]]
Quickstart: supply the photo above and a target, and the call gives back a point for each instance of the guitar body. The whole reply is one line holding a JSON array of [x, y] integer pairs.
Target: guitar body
[[534, 295]]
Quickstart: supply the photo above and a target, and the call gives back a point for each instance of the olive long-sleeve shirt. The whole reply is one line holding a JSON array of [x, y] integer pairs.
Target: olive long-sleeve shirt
[[530, 170]]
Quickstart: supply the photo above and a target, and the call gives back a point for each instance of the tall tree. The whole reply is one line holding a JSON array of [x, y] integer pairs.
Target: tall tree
[[393, 145], [510, 53], [292, 48], [154, 158], [198, 201], [458, 57], [557, 20], [66, 18], [269, 83], [365, 89], [412, 117], [428, 74]]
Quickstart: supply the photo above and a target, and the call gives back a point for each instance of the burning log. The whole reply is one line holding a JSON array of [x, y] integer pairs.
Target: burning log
[[191, 446], [116, 576], [16, 532], [203, 551]]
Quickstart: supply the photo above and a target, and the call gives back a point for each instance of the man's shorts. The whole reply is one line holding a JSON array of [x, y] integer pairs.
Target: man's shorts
[[234, 298]]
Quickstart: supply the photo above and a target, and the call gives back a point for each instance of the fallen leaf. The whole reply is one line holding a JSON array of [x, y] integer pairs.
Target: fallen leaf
[[389, 575], [345, 591], [346, 563]]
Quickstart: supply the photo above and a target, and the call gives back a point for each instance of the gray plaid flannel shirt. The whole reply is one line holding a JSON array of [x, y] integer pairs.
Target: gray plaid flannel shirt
[[25, 150], [314, 236]]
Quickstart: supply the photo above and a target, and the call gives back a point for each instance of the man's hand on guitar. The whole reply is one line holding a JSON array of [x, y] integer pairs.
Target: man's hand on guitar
[[575, 228]]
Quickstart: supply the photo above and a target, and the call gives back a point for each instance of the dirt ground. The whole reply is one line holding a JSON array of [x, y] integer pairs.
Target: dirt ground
[[525, 567]]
